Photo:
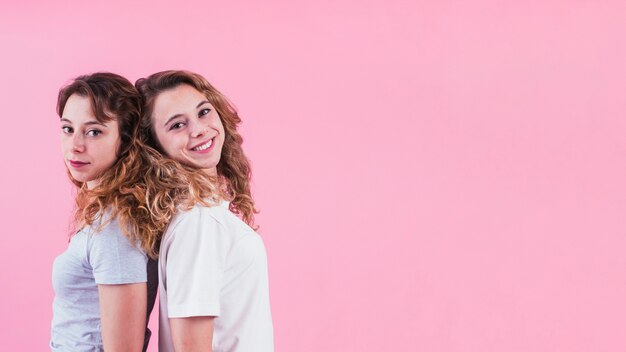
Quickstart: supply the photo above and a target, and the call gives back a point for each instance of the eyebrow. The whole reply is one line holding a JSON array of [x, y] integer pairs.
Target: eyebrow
[[88, 123], [178, 115], [171, 118]]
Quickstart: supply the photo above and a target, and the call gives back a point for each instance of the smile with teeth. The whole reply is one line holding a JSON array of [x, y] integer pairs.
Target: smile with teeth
[[204, 146]]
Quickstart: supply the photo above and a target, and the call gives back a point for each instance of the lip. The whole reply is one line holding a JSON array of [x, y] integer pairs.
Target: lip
[[77, 164], [203, 143]]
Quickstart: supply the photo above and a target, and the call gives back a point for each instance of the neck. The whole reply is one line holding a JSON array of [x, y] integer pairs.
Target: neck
[[211, 172], [93, 184]]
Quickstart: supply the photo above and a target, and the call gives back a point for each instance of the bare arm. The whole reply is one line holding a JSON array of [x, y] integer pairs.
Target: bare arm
[[192, 334], [123, 316]]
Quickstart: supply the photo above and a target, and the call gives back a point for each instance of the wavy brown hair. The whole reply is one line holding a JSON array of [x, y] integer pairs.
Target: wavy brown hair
[[233, 168], [142, 190]]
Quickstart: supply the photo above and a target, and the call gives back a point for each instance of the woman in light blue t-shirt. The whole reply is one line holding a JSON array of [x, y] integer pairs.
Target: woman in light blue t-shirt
[[104, 282]]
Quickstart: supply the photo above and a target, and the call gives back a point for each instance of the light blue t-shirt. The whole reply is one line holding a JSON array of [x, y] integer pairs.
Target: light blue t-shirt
[[92, 258]]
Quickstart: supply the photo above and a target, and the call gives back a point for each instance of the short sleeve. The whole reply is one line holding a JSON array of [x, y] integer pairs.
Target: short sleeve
[[114, 259], [195, 266]]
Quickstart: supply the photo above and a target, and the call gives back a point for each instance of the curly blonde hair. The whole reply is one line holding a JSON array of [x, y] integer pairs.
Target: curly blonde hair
[[142, 190], [233, 168]]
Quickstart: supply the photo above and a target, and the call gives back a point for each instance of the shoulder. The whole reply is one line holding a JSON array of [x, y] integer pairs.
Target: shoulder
[[112, 256], [200, 216], [107, 235], [215, 223], [104, 230]]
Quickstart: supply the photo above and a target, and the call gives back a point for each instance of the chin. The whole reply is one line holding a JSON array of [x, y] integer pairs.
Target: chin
[[79, 178], [207, 166], [82, 177], [201, 164]]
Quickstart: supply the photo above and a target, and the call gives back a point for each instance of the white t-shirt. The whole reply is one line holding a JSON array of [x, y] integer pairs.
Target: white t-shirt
[[213, 264]]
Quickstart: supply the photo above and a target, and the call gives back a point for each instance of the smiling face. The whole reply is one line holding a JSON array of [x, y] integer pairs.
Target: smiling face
[[188, 128], [89, 147]]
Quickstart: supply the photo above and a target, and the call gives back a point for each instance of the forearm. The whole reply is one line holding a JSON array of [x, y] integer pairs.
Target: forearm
[[193, 334]]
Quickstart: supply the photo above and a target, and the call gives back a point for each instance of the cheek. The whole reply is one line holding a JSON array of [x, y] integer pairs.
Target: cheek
[[217, 122], [160, 139], [66, 143], [107, 153], [222, 130], [170, 143], [114, 150]]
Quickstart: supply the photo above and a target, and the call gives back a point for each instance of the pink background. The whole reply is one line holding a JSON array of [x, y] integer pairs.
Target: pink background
[[433, 176]]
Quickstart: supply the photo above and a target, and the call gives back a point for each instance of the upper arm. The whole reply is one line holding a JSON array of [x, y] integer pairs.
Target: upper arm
[[123, 316], [192, 334], [114, 259], [119, 270], [194, 268]]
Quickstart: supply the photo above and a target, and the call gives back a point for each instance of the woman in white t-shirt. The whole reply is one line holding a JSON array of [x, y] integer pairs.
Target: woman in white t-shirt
[[213, 281]]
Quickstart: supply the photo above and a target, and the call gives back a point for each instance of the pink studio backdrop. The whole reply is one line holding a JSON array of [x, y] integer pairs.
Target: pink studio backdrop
[[433, 176]]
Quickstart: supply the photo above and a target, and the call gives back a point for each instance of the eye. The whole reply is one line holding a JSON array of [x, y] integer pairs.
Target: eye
[[177, 125], [93, 133], [67, 129], [204, 112]]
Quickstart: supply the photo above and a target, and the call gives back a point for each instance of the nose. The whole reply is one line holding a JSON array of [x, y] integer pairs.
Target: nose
[[197, 129], [78, 143]]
